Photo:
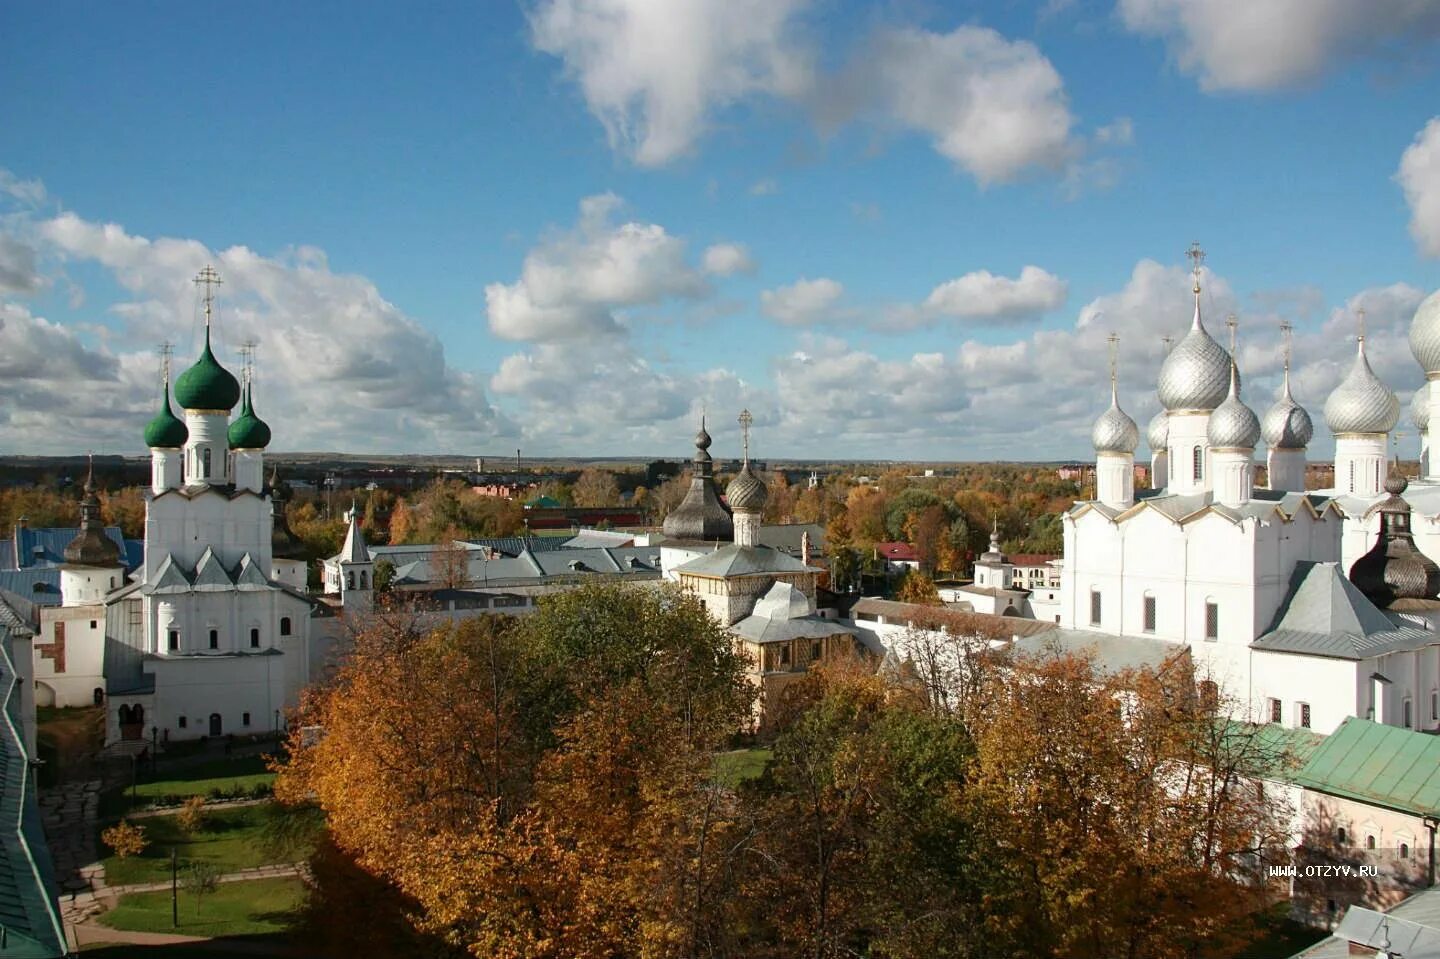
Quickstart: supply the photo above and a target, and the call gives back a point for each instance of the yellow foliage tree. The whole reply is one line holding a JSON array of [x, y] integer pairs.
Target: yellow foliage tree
[[124, 839]]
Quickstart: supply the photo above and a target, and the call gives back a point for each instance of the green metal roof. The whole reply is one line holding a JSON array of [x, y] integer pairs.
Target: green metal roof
[[207, 385], [29, 911], [1270, 750], [1376, 764], [166, 431]]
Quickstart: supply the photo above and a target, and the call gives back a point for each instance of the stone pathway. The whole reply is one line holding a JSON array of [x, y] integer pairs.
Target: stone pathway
[[69, 814], [80, 910]]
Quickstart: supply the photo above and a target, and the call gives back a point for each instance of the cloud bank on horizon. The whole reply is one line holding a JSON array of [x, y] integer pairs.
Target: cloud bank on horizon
[[615, 330]]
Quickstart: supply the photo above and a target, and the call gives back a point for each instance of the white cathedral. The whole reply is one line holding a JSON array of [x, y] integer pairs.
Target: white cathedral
[[1305, 607], [214, 634]]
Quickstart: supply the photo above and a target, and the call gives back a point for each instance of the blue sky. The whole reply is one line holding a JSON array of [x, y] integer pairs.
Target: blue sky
[[395, 194]]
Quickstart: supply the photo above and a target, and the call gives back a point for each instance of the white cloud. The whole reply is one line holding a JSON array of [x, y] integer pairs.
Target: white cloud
[[727, 259], [1245, 45], [654, 71], [766, 187], [571, 285], [29, 192], [657, 72], [1419, 177], [338, 365], [19, 272], [982, 295], [993, 106], [802, 302]]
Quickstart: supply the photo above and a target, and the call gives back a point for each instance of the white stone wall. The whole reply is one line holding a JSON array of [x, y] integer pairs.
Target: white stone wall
[[184, 526], [196, 687], [84, 655]]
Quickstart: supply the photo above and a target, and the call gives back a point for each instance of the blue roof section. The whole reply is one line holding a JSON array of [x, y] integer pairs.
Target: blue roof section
[[40, 586], [35, 547], [29, 911]]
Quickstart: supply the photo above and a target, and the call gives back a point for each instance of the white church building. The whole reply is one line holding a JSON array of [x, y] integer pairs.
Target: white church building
[[214, 634], [1305, 607]]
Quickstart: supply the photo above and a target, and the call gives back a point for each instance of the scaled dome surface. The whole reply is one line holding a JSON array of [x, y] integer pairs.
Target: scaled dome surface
[[1158, 433], [1287, 425], [1233, 425], [746, 491], [1115, 431], [1361, 403], [1196, 373], [1425, 333], [166, 430]]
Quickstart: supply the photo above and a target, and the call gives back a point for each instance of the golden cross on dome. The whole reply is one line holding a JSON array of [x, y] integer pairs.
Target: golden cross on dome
[[1197, 257], [1232, 323], [1360, 315], [1286, 330], [209, 279], [1114, 340], [165, 350], [745, 420]]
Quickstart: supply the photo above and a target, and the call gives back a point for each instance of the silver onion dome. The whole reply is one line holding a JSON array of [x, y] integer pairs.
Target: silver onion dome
[[1158, 432], [1287, 425], [1361, 403], [1420, 407], [1425, 334], [1233, 425], [746, 491], [1115, 431], [1196, 374]]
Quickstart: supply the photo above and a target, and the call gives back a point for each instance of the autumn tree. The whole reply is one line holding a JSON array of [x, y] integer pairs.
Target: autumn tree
[[450, 562], [596, 487], [916, 587], [865, 512], [1125, 828], [124, 508], [402, 524], [532, 784]]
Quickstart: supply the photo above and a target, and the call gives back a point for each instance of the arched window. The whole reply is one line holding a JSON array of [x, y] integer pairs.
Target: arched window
[[214, 639], [172, 641], [1370, 842], [1352, 476], [350, 580], [182, 722], [1148, 623], [284, 625], [362, 580], [1198, 469], [1340, 836], [99, 696], [254, 638], [1405, 714], [205, 462], [1404, 850]]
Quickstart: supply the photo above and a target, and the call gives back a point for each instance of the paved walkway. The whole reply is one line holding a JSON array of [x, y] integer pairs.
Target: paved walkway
[[80, 911]]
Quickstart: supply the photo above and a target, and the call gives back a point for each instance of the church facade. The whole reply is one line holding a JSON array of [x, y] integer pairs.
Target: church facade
[[213, 636], [1265, 587]]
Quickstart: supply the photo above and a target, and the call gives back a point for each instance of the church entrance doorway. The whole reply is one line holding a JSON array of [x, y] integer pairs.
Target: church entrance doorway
[[214, 724]]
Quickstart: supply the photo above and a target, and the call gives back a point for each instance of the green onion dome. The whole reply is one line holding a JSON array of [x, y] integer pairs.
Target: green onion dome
[[207, 385], [249, 431], [166, 431]]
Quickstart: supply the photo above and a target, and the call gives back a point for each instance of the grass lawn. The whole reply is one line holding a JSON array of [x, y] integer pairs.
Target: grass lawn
[[232, 839], [738, 765], [223, 774], [255, 907], [227, 948]]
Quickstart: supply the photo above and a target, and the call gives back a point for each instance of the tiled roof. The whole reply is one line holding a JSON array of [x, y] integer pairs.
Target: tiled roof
[[901, 552]]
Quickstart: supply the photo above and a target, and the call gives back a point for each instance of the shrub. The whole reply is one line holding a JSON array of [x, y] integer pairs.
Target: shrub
[[191, 818], [124, 840]]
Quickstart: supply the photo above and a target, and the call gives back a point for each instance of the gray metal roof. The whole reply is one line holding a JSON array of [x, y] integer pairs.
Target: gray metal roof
[[45, 546], [538, 568], [1324, 614], [1414, 930], [40, 585], [744, 561], [1263, 504], [1110, 653]]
